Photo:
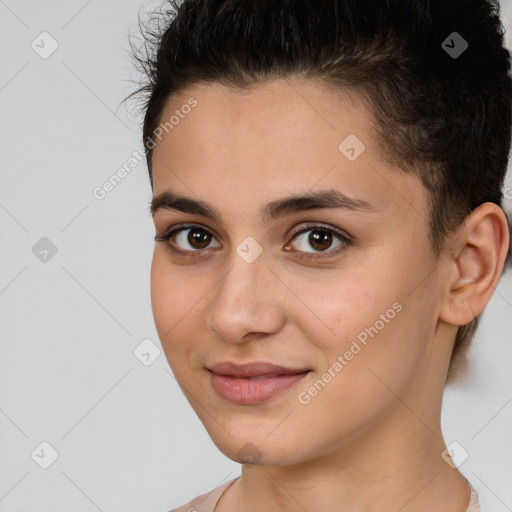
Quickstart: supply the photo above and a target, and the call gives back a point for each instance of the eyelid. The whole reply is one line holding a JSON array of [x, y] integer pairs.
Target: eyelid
[[173, 231], [344, 238], [327, 227]]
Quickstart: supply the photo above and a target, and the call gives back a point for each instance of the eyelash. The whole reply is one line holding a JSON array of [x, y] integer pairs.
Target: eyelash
[[343, 238]]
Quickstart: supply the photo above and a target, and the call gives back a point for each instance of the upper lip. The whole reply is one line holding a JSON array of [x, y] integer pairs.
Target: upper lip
[[254, 369]]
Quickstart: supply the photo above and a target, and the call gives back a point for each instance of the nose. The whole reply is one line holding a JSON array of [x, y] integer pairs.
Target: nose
[[247, 302]]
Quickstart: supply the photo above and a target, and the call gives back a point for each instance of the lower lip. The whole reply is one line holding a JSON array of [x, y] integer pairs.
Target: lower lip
[[244, 391]]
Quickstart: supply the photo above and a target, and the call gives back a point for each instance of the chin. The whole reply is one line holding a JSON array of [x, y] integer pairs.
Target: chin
[[247, 446]]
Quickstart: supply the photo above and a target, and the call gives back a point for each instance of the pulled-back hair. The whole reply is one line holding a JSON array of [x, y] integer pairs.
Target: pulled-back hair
[[443, 116]]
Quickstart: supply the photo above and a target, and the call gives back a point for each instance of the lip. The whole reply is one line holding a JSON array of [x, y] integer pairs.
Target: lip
[[253, 383], [253, 369]]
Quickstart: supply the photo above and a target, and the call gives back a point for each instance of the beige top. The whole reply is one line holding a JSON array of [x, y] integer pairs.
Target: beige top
[[207, 502]]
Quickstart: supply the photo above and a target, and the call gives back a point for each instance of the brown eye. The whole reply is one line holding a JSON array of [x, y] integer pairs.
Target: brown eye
[[320, 240], [199, 238], [188, 240]]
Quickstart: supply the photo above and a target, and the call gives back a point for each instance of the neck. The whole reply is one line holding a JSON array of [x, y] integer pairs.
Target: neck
[[398, 468]]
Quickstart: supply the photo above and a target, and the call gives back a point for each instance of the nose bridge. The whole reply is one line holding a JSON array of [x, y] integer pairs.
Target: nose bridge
[[246, 301]]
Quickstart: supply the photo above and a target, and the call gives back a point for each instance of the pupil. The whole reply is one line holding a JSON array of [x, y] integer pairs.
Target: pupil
[[320, 240], [198, 238]]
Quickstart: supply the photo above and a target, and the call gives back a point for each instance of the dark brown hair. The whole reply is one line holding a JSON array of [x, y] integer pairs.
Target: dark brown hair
[[442, 116]]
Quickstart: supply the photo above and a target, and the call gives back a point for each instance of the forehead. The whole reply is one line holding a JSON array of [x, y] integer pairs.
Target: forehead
[[273, 116], [280, 136]]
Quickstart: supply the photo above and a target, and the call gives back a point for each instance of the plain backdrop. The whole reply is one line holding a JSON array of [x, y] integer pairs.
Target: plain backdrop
[[114, 429]]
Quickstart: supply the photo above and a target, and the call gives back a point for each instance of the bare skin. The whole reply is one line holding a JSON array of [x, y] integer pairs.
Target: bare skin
[[370, 439]]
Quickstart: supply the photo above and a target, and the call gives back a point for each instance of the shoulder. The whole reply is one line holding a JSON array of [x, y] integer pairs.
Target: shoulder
[[205, 502]]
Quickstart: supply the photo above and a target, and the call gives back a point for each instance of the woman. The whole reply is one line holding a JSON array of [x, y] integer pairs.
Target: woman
[[327, 203]]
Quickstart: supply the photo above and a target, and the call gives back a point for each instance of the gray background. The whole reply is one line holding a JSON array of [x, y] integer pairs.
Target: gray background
[[125, 436]]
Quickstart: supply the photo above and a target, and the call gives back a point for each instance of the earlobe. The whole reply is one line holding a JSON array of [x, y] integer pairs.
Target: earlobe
[[481, 245]]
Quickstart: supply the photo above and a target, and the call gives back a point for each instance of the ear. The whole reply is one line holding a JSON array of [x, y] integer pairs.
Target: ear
[[478, 251]]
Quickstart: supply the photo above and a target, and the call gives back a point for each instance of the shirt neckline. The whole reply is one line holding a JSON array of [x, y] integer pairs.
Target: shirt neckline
[[474, 502]]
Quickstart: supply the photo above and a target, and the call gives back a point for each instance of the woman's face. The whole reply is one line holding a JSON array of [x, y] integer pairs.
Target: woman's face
[[341, 286]]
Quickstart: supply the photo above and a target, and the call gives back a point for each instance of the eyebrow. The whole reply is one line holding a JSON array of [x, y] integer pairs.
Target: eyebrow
[[272, 211]]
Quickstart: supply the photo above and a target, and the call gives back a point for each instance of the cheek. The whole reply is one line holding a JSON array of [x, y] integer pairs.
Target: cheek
[[163, 295], [375, 347], [174, 297], [175, 291], [340, 305], [373, 317]]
